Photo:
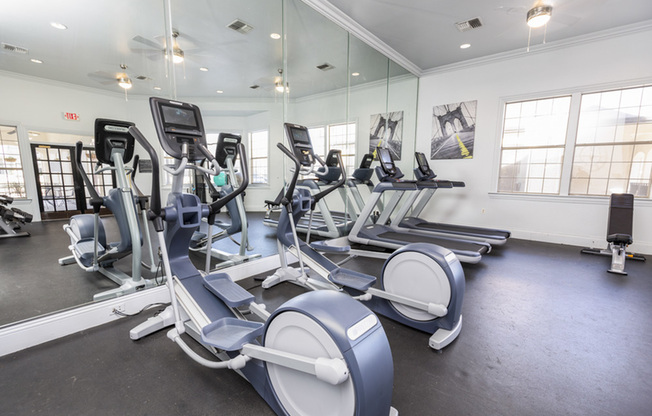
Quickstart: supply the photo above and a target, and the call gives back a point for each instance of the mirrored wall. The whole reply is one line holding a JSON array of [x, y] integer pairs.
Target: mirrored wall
[[249, 65]]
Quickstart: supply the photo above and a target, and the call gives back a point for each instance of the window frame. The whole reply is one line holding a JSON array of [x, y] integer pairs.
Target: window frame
[[252, 158], [570, 143], [19, 161]]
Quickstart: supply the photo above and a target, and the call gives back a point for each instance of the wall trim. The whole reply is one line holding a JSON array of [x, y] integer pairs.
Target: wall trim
[[542, 48], [346, 22]]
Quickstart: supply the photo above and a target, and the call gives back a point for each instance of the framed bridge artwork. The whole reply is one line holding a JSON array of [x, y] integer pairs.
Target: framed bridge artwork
[[453, 130]]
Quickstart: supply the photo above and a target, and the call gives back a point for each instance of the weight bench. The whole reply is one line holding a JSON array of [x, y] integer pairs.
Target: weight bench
[[619, 233]]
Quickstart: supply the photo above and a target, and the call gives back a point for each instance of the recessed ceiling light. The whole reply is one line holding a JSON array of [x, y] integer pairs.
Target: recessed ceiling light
[[157, 88], [58, 25], [465, 46], [219, 92], [355, 74], [203, 69], [36, 61], [275, 36]]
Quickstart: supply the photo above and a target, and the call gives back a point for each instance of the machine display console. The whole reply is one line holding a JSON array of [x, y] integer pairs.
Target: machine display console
[[227, 146], [177, 123], [301, 145], [366, 161], [386, 161], [113, 134], [424, 167]]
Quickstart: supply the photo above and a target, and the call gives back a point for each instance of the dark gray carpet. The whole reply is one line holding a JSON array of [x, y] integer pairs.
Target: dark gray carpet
[[547, 331]]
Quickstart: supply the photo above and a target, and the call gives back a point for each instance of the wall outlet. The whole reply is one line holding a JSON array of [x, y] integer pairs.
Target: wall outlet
[[119, 309]]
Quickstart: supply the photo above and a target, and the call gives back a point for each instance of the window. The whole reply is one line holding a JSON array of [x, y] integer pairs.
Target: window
[[613, 148], [12, 180], [532, 149], [258, 154], [335, 136]]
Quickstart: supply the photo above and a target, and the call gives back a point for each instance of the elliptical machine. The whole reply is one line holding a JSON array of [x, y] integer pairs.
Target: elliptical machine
[[114, 146], [225, 154], [421, 285], [319, 353]]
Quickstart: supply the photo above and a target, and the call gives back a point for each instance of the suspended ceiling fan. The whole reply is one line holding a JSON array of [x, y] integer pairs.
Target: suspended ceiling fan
[[158, 46], [122, 78]]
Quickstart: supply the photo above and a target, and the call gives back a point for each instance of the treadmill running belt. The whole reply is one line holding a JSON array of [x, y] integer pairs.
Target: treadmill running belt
[[449, 244]]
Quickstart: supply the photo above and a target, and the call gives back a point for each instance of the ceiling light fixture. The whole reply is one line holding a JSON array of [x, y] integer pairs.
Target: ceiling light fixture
[[36, 61], [125, 82], [157, 88], [538, 16], [465, 46], [219, 92], [275, 36], [58, 25], [203, 69], [355, 74]]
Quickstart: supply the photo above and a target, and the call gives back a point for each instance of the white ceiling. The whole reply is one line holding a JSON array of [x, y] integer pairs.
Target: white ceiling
[[424, 31], [420, 34]]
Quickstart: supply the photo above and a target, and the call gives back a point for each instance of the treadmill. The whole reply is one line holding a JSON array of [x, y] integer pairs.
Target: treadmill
[[325, 222], [419, 200], [378, 233]]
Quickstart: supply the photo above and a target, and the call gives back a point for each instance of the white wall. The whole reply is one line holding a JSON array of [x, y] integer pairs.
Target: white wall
[[35, 104], [614, 61]]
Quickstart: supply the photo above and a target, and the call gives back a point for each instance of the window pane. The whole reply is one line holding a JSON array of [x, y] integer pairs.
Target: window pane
[[534, 133], [623, 120], [258, 154]]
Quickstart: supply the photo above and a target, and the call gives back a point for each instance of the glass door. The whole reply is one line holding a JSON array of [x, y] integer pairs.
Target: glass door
[[59, 184]]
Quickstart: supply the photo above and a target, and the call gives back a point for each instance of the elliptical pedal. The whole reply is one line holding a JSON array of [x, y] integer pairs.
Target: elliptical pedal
[[231, 293]]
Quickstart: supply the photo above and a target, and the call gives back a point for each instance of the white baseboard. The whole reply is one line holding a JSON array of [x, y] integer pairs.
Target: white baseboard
[[588, 241], [39, 330], [47, 328]]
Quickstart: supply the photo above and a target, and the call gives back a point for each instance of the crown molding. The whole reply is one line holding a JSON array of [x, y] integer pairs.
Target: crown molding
[[548, 47], [338, 17]]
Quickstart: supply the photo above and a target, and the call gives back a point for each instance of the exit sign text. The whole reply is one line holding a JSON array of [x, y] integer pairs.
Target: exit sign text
[[71, 116]]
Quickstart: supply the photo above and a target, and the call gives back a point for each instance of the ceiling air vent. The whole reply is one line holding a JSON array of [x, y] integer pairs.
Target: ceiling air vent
[[14, 49], [253, 87], [325, 66], [469, 24], [240, 26], [143, 78]]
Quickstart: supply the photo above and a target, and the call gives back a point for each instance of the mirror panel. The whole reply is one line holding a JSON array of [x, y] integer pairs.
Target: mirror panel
[[81, 68]]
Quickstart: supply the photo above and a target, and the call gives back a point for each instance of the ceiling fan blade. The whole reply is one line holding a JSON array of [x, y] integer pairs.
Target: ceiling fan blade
[[147, 42]]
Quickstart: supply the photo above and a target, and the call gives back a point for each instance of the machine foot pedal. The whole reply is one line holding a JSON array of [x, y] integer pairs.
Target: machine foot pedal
[[221, 285], [230, 334], [352, 279]]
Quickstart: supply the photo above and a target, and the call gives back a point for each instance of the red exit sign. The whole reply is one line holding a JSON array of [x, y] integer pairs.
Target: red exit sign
[[71, 116]]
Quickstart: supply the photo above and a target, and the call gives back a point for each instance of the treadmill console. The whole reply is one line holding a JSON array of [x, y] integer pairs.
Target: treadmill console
[[300, 143], [366, 161], [110, 135], [422, 163], [176, 124], [227, 147], [386, 161]]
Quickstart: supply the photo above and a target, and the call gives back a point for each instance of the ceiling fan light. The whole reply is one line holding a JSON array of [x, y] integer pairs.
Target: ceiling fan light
[[125, 82], [538, 16], [177, 56], [279, 87]]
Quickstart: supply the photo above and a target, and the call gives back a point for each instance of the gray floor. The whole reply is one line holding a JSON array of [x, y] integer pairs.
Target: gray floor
[[32, 283], [547, 331]]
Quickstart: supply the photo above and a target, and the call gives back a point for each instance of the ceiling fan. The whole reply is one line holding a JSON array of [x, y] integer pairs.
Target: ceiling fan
[[271, 83], [122, 78], [158, 46]]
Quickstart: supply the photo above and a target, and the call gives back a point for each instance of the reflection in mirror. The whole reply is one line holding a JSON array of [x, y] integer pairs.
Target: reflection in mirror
[[61, 67], [317, 68], [402, 94]]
